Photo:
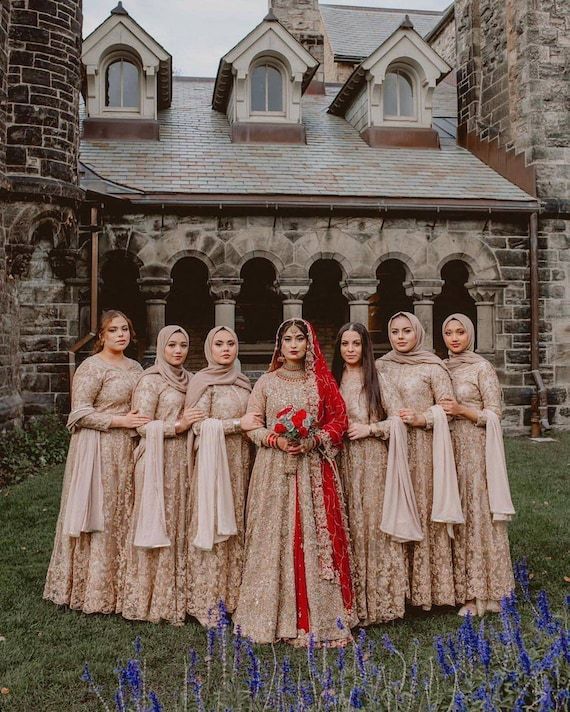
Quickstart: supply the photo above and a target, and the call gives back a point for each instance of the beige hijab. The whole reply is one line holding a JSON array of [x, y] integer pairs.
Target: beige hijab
[[215, 374], [150, 530], [469, 355], [418, 355], [176, 376], [498, 490]]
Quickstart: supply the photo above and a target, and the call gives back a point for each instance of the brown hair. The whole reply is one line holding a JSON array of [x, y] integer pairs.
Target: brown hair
[[106, 318]]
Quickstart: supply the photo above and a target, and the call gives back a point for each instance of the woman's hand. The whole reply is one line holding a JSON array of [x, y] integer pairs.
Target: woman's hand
[[188, 418], [283, 444], [357, 431], [251, 421], [131, 420], [451, 406], [410, 417]]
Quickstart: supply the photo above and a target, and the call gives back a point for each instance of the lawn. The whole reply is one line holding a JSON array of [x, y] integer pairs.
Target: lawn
[[43, 649]]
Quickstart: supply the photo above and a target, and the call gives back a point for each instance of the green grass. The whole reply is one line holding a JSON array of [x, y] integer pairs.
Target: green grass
[[45, 647]]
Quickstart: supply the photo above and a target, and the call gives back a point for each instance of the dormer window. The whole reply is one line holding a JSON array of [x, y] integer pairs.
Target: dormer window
[[267, 89], [127, 80], [260, 83], [398, 95], [388, 97], [122, 85]]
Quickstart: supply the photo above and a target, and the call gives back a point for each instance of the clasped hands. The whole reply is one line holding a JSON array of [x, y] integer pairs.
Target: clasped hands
[[301, 448]]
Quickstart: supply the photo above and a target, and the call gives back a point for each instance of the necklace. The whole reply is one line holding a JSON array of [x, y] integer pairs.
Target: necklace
[[291, 374], [293, 368]]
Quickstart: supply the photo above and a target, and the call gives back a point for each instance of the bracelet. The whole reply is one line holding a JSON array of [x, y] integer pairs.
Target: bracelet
[[176, 425], [272, 440], [237, 425]]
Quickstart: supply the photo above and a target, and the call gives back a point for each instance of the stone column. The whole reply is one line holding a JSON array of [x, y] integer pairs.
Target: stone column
[[155, 290], [485, 295], [224, 291], [294, 290], [423, 292], [358, 291]]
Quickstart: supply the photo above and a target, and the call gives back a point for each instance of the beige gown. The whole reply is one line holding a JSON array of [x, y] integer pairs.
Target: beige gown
[[380, 568], [481, 556], [430, 560], [266, 609], [215, 575], [154, 580], [83, 571]]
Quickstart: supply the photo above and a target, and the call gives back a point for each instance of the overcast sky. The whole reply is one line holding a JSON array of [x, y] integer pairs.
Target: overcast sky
[[198, 32]]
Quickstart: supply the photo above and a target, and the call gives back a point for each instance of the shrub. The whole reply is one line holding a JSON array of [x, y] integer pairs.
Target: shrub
[[43, 441]]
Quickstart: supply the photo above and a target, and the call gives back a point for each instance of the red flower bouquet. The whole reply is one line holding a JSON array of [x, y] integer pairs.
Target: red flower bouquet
[[294, 425]]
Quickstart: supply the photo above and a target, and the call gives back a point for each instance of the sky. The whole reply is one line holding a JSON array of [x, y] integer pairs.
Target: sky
[[197, 33]]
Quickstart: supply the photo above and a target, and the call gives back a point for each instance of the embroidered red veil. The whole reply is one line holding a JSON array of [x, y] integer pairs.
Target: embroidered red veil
[[328, 408]]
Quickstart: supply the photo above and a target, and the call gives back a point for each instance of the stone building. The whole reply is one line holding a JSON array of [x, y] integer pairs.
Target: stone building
[[344, 163]]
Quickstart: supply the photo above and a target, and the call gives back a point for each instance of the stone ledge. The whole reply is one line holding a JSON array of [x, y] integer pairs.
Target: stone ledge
[[29, 185]]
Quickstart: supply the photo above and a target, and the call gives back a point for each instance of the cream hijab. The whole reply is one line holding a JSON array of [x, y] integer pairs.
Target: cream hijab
[[215, 374], [418, 355], [176, 376], [469, 355]]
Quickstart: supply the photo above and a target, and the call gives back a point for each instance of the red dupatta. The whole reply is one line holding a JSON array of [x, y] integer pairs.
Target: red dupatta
[[328, 408]]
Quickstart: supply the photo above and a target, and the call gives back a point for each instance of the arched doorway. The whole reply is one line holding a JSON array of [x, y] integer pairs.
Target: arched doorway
[[324, 305], [390, 297], [454, 297], [190, 305], [120, 290]]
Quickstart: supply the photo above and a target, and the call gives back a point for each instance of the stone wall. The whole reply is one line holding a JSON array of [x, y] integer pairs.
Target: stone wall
[[513, 78], [444, 42], [494, 250]]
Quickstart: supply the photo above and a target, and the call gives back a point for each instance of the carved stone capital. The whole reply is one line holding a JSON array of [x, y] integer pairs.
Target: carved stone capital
[[225, 289], [293, 289], [484, 292], [18, 258], [359, 290], [155, 288], [423, 290]]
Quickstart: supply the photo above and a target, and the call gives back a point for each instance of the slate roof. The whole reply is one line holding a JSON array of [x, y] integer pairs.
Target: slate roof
[[355, 32], [195, 156]]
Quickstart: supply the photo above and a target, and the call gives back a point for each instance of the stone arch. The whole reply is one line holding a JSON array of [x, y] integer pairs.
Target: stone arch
[[407, 262], [171, 260], [477, 256], [341, 260], [264, 254]]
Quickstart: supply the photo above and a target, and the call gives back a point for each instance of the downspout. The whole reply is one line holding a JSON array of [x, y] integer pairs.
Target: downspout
[[538, 402], [93, 296]]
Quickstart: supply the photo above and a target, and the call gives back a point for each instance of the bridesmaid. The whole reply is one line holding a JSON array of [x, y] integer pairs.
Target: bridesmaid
[[154, 578], [380, 564], [221, 460], [96, 499], [297, 583], [421, 381], [481, 557]]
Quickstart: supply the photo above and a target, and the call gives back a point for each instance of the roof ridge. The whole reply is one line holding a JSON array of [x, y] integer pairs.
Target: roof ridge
[[382, 9]]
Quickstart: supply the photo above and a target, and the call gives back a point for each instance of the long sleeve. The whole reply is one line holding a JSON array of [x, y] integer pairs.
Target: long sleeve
[[204, 403], [257, 404], [441, 387], [87, 383], [392, 404], [145, 401], [334, 420], [490, 390]]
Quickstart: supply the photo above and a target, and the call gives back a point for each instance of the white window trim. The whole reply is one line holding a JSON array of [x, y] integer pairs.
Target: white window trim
[[412, 76], [268, 115], [109, 59]]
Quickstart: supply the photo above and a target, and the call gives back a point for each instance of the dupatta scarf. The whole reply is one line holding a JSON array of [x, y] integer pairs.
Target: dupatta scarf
[[327, 407]]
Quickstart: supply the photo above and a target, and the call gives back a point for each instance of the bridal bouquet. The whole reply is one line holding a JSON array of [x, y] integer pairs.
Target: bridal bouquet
[[294, 426]]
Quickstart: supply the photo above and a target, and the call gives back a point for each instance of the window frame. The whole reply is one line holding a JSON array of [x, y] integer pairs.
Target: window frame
[[270, 62], [402, 69], [112, 58]]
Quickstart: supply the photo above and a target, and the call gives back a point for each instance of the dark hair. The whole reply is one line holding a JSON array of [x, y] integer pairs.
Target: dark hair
[[371, 384], [106, 318], [287, 325]]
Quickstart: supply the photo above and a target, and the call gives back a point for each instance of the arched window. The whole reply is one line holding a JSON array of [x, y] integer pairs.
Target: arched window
[[390, 298], [266, 89], [122, 85], [454, 297], [398, 95]]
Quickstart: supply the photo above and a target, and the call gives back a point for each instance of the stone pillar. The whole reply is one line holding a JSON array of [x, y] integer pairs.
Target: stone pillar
[[423, 292], [485, 295], [224, 291], [358, 291], [155, 290], [294, 290]]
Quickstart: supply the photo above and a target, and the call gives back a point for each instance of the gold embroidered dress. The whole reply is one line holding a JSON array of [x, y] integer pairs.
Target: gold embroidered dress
[[83, 570], [430, 561], [380, 569], [481, 555], [215, 575], [154, 583]]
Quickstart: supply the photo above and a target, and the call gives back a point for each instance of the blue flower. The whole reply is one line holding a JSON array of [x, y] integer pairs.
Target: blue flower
[[388, 644], [254, 670], [359, 653], [546, 703], [137, 645], [119, 702], [520, 569], [356, 696], [459, 703], [86, 674], [155, 705], [545, 620], [446, 668]]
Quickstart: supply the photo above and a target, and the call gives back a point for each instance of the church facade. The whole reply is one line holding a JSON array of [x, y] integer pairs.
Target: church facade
[[345, 163]]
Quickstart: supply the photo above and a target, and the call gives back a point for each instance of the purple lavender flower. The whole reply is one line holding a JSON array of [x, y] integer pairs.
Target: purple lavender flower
[[446, 668], [388, 644], [311, 656], [564, 644], [133, 676], [137, 645], [155, 705], [86, 674], [484, 648], [119, 701], [254, 670], [306, 692], [339, 624], [459, 702], [545, 621], [546, 703], [524, 658], [520, 569], [288, 686], [341, 659], [359, 653], [356, 698], [211, 637]]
